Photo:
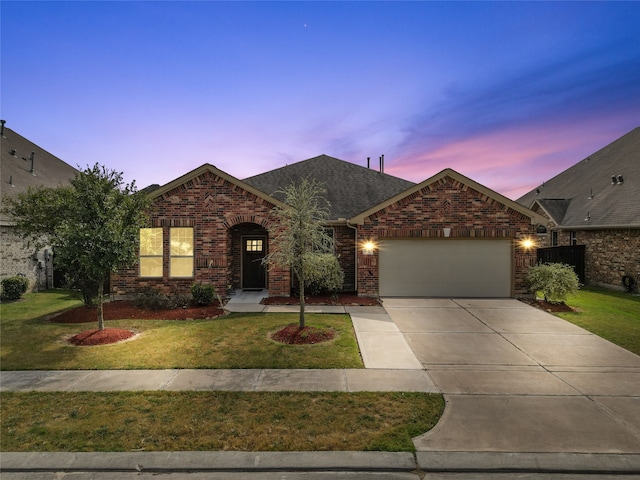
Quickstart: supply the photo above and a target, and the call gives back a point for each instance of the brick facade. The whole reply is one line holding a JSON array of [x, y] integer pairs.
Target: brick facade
[[18, 259], [609, 254], [222, 212], [446, 203], [219, 211]]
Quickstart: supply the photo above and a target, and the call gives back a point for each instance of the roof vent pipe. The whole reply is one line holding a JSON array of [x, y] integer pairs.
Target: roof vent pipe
[[33, 161], [2, 122], [368, 159], [613, 180], [381, 163], [620, 180], [11, 181]]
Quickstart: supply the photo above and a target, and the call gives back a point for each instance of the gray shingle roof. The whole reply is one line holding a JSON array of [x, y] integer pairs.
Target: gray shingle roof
[[351, 189], [17, 177], [584, 195]]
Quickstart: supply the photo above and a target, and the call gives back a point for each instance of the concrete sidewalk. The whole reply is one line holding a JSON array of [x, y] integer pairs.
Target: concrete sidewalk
[[249, 380]]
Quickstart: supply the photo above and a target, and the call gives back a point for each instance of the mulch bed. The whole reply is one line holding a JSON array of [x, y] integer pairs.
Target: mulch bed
[[341, 299], [123, 310], [101, 337], [294, 335], [548, 306]]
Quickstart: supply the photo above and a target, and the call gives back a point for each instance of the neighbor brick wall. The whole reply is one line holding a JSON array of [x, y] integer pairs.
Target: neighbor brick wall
[[609, 254], [18, 259], [212, 206], [445, 203]]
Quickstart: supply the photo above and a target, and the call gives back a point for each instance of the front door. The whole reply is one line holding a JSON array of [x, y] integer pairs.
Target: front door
[[254, 274]]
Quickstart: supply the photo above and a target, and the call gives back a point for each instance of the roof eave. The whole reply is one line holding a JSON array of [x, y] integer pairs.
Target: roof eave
[[158, 192], [629, 226]]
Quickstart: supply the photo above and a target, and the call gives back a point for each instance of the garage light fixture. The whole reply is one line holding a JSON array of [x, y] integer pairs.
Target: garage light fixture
[[368, 247], [527, 243]]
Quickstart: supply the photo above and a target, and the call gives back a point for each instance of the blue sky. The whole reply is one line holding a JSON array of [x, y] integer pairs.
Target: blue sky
[[507, 93]]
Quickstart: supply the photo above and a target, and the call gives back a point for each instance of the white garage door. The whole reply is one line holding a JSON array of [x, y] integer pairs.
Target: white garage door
[[445, 268]]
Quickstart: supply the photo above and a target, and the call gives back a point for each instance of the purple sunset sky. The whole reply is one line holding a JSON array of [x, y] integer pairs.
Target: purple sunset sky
[[509, 94]]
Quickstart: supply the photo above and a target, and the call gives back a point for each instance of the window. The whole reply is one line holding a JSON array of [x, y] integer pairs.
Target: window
[[573, 238], [151, 252], [253, 245], [181, 261], [554, 238]]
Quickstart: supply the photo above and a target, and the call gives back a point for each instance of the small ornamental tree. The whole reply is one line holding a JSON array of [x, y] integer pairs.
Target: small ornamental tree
[[303, 236], [94, 224], [556, 281]]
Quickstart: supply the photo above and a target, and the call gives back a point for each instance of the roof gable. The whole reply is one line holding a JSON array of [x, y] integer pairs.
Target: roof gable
[[591, 198], [184, 180], [490, 196], [351, 188]]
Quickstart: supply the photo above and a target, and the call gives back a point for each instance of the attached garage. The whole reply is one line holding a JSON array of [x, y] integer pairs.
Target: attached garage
[[446, 268]]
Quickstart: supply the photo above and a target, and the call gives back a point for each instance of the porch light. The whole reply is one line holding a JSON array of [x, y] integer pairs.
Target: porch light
[[368, 247], [527, 243]]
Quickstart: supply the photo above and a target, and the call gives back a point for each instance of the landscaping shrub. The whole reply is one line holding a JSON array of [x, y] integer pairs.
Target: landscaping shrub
[[556, 281], [153, 299], [14, 287], [203, 294], [324, 274]]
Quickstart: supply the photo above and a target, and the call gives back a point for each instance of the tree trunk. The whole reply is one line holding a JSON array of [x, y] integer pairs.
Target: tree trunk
[[301, 287], [100, 304]]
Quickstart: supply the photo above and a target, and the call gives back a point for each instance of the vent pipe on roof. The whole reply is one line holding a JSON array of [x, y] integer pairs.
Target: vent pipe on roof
[[33, 161], [11, 181], [381, 163], [2, 122], [613, 180], [368, 161], [620, 180]]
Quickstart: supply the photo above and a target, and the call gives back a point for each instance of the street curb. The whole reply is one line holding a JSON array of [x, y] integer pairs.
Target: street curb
[[206, 461], [584, 463]]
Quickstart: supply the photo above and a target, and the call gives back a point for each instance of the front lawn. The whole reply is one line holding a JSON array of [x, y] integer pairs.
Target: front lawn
[[206, 421], [31, 342], [610, 314]]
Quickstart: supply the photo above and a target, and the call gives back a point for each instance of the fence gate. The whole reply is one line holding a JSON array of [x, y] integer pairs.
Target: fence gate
[[571, 255]]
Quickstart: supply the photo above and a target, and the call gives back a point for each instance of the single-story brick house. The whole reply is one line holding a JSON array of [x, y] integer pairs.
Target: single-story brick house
[[447, 236], [25, 164], [596, 203]]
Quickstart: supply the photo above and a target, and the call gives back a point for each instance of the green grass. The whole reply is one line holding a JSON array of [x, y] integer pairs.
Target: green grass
[[612, 315], [205, 421], [31, 342]]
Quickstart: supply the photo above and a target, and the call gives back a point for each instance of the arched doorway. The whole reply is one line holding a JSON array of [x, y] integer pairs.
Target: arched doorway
[[250, 245]]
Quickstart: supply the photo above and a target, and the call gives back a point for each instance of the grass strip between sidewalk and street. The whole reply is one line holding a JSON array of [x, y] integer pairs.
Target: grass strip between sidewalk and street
[[207, 421]]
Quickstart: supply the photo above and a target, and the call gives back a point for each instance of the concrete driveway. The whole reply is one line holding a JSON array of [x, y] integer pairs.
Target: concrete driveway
[[517, 379]]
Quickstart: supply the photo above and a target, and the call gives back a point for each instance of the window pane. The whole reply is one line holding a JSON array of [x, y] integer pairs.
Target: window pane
[[151, 241], [182, 241], [254, 245], [151, 267], [181, 267]]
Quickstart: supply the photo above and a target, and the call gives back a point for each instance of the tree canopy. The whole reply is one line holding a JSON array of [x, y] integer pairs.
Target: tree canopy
[[93, 225], [303, 236]]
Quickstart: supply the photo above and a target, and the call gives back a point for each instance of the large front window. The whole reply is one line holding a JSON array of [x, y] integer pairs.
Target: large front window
[[181, 261], [151, 252]]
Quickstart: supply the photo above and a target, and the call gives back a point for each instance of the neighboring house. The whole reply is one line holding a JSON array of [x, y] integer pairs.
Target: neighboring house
[[596, 203], [25, 165], [445, 237]]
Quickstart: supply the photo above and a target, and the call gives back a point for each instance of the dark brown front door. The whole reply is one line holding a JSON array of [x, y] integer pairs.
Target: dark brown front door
[[254, 274]]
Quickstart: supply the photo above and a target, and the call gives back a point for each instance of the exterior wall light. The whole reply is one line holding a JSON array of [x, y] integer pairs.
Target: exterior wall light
[[527, 243], [368, 247]]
